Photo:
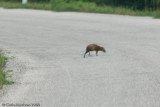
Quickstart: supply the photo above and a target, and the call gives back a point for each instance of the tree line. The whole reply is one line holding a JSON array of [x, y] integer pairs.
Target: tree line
[[132, 4]]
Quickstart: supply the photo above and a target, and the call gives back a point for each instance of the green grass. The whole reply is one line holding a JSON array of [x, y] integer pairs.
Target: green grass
[[157, 15], [81, 7], [11, 5], [4, 74], [92, 7]]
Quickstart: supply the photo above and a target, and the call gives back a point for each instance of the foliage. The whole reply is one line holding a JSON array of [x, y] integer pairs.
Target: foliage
[[80, 5], [4, 74], [132, 4]]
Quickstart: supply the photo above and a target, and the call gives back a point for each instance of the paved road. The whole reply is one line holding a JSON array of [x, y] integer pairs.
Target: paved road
[[49, 67]]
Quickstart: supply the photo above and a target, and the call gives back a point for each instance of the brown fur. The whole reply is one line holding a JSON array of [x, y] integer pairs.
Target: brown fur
[[94, 47]]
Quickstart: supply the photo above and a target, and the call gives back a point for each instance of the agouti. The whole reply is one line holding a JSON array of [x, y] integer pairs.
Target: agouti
[[94, 47]]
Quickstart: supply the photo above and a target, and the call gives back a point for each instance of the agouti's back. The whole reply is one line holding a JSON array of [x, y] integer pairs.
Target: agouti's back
[[92, 47]]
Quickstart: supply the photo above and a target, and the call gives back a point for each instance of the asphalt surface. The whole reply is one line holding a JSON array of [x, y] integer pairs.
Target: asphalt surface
[[49, 68]]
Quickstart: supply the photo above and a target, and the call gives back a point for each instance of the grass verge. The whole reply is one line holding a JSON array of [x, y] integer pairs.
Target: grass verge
[[92, 7], [11, 5], [82, 7], [4, 74]]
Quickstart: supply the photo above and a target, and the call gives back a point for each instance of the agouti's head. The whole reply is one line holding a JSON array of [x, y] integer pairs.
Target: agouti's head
[[102, 49]]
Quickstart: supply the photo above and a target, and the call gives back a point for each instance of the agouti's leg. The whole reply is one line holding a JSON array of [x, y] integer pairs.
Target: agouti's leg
[[89, 54], [85, 54], [96, 53]]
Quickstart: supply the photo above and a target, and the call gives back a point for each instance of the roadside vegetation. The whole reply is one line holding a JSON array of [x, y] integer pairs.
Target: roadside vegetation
[[123, 7], [4, 74]]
